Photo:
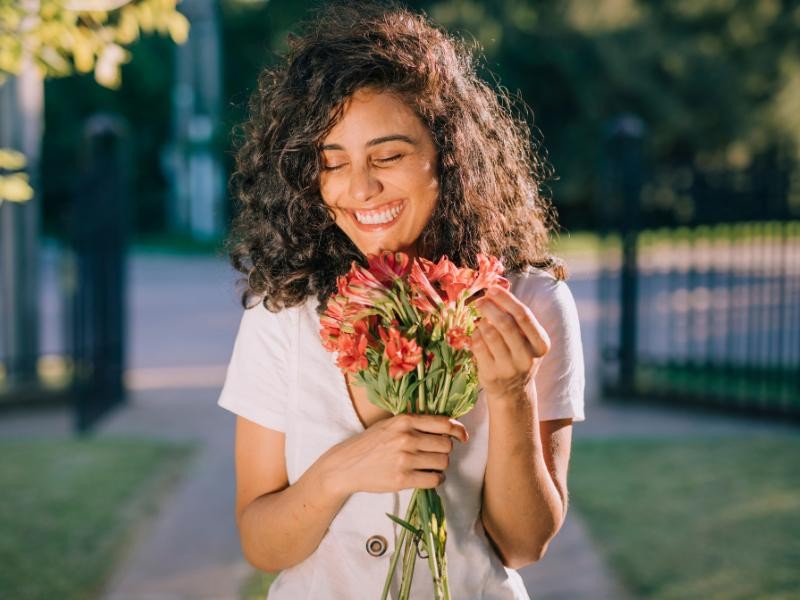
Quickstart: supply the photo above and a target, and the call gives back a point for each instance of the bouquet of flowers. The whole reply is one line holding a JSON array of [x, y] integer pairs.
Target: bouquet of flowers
[[403, 328]]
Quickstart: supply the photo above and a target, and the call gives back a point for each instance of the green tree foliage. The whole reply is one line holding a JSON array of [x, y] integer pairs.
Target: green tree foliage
[[60, 37], [716, 81]]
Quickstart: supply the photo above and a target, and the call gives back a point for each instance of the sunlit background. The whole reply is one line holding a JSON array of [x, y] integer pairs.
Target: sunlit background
[[673, 130]]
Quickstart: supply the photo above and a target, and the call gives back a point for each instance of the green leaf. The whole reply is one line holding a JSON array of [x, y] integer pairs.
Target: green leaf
[[405, 524], [410, 390], [434, 374], [374, 396], [458, 384], [383, 375]]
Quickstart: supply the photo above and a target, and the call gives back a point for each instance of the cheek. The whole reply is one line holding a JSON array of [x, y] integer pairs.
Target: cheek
[[329, 193]]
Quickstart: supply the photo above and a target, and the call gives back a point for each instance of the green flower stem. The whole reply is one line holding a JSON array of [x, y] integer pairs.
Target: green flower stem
[[445, 581], [409, 562], [445, 393], [421, 387], [399, 306], [412, 505], [433, 553]]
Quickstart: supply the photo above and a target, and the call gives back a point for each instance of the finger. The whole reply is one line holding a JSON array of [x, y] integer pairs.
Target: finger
[[439, 424], [520, 350], [479, 347], [497, 346], [536, 334], [430, 461], [432, 442], [425, 479]]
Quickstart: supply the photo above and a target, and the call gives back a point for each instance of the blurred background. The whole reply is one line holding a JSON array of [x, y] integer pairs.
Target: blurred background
[[674, 133]]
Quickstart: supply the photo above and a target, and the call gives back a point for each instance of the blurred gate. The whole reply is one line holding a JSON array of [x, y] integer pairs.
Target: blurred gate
[[95, 297], [700, 285]]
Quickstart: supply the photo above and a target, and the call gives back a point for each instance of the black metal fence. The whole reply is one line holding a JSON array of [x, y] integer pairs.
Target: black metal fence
[[96, 305], [700, 285], [87, 371]]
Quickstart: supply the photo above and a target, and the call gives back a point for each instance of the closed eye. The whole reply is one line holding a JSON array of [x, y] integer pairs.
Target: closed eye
[[389, 159], [383, 161]]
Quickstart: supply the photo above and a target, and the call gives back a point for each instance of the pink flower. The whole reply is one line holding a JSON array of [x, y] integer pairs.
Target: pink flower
[[457, 338], [331, 322], [490, 271], [388, 266], [455, 281], [444, 282], [438, 271], [362, 287], [425, 296], [340, 318], [404, 355], [352, 352]]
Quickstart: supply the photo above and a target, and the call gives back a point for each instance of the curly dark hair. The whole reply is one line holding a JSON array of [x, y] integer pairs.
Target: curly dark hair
[[284, 237]]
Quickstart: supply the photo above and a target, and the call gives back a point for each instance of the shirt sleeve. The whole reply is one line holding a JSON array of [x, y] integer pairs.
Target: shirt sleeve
[[256, 382], [560, 381]]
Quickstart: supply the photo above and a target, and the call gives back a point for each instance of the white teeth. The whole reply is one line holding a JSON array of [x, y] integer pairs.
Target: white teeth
[[382, 217]]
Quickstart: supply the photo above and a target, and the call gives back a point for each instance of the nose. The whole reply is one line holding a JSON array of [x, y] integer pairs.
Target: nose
[[363, 184]]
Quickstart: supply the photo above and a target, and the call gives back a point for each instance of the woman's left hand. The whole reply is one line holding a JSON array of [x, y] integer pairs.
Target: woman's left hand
[[508, 343]]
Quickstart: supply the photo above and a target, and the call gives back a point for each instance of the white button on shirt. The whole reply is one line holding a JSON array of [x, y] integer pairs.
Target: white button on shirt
[[282, 378]]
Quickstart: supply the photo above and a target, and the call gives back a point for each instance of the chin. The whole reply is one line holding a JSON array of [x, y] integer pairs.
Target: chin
[[390, 247]]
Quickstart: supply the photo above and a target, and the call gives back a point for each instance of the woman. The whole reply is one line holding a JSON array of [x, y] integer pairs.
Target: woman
[[375, 134]]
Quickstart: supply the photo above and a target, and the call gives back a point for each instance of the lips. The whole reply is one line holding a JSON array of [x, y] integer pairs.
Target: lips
[[380, 209]]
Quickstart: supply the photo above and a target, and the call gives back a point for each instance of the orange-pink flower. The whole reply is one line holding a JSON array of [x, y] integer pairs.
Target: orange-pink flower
[[362, 287], [342, 317], [352, 352], [457, 338], [425, 296], [388, 266], [404, 355], [489, 274], [439, 283]]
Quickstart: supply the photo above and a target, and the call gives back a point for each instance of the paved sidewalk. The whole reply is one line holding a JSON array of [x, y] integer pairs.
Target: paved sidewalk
[[190, 550]]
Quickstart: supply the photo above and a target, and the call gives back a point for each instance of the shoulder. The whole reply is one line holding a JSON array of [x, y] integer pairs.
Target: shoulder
[[258, 316], [544, 294], [260, 327], [560, 380]]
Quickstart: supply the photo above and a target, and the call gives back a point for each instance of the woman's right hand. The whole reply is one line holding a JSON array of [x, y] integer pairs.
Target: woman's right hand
[[396, 453]]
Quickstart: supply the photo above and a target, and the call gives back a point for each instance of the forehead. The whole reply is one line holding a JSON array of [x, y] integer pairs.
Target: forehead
[[367, 113]]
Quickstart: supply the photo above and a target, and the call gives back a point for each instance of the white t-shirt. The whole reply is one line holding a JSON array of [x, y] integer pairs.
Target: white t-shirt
[[282, 378]]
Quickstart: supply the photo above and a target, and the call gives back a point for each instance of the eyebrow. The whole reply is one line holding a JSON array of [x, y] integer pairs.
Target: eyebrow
[[376, 141]]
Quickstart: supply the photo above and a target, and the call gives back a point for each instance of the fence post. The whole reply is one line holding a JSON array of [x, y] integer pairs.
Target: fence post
[[97, 299], [624, 159]]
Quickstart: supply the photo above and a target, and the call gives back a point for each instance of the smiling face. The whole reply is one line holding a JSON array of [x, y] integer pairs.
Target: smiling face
[[379, 173]]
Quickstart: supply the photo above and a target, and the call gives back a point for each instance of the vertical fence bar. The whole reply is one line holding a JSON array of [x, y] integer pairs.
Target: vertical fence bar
[[624, 176], [98, 226]]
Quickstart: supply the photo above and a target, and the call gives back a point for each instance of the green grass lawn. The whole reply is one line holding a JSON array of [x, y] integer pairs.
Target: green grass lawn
[[763, 387], [178, 244], [68, 507], [684, 519]]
